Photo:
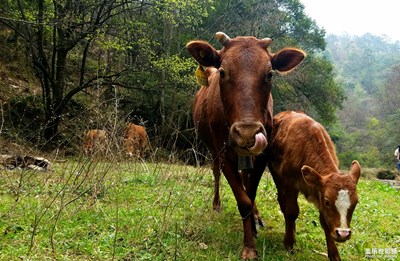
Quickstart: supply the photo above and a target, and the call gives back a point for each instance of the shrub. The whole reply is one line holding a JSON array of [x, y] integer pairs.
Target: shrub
[[386, 174]]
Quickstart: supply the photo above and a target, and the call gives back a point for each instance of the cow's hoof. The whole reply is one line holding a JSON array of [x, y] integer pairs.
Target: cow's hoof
[[249, 254], [217, 208], [259, 221]]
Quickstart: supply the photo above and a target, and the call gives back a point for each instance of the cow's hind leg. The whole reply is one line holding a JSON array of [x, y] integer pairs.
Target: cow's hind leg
[[257, 216], [287, 199], [250, 183]]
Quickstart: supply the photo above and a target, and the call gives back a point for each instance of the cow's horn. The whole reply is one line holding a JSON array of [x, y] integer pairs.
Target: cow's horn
[[222, 38], [266, 41]]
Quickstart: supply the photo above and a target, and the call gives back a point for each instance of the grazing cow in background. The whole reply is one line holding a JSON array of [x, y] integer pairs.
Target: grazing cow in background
[[302, 158], [232, 114], [94, 139], [135, 140]]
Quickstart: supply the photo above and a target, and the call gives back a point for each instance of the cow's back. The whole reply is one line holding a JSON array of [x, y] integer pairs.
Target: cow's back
[[298, 140], [141, 131], [135, 139], [93, 137]]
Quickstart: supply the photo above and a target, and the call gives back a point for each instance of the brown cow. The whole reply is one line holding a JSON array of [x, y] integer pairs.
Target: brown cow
[[233, 115], [94, 138], [302, 158], [135, 140]]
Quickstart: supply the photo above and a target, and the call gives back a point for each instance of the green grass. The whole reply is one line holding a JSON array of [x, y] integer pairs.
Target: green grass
[[158, 211]]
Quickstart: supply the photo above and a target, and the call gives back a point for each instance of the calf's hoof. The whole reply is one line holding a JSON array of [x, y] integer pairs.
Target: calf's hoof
[[335, 258], [249, 254], [289, 248]]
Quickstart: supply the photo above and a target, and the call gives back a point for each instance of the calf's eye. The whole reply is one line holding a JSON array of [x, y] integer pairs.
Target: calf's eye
[[269, 75], [326, 202], [221, 73]]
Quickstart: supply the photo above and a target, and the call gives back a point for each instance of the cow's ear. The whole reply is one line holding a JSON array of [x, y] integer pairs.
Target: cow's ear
[[287, 59], [204, 53], [355, 171], [311, 176]]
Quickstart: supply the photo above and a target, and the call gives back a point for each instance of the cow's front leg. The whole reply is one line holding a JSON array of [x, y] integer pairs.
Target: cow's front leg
[[245, 206], [333, 252], [217, 175]]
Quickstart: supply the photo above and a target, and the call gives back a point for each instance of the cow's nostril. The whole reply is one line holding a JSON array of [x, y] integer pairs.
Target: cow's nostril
[[236, 131]]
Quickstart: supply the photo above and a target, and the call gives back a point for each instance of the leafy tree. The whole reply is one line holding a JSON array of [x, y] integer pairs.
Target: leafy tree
[[52, 31]]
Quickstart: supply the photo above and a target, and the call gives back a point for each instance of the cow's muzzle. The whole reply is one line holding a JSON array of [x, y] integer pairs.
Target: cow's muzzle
[[248, 138]]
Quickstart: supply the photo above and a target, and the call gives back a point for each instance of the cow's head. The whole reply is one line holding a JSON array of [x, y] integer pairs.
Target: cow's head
[[244, 71], [337, 198]]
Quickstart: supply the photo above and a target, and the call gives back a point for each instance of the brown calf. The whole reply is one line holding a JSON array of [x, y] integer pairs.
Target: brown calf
[[94, 139], [233, 114], [302, 158], [135, 140]]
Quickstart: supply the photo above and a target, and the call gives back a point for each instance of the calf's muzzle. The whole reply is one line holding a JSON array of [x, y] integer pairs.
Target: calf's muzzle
[[342, 234]]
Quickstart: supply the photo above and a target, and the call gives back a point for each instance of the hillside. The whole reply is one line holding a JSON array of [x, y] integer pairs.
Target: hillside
[[364, 66], [17, 82]]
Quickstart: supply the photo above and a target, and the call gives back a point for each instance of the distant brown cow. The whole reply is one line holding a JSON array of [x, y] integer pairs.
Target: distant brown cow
[[302, 158], [94, 139], [233, 114], [135, 140]]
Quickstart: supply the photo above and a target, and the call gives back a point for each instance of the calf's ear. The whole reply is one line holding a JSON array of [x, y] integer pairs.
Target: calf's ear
[[204, 53], [355, 171], [287, 59], [311, 177]]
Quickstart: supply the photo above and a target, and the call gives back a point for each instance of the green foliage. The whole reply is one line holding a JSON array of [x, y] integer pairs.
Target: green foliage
[[179, 71], [297, 25], [23, 113], [363, 60], [365, 67], [386, 174], [353, 145], [312, 89]]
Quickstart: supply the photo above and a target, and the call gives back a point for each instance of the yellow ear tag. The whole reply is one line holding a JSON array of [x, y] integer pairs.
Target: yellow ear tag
[[201, 76]]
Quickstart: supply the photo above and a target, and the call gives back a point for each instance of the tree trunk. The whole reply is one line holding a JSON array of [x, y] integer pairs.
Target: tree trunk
[[57, 106]]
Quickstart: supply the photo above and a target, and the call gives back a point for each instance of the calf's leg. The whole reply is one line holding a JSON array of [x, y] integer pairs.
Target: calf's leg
[[333, 253], [287, 199]]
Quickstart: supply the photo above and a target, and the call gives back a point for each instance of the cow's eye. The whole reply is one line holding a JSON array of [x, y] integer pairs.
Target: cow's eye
[[326, 202], [222, 73]]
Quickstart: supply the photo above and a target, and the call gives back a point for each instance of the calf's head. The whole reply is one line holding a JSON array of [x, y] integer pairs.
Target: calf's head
[[337, 198], [244, 68]]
